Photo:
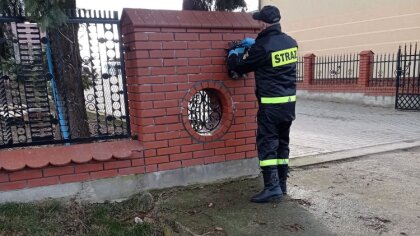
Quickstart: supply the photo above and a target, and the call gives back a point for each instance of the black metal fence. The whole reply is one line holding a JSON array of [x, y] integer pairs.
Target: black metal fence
[[300, 70], [342, 69], [63, 85], [384, 70], [408, 78]]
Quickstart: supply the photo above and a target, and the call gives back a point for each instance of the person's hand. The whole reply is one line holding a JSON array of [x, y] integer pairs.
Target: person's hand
[[233, 52], [248, 42]]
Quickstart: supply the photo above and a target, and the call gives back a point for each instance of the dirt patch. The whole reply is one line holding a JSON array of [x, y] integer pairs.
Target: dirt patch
[[226, 206], [377, 193], [293, 228], [373, 195], [376, 223], [302, 202]]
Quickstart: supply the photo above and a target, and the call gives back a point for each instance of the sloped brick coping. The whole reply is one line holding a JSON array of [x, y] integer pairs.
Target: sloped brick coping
[[190, 19], [63, 155], [227, 110]]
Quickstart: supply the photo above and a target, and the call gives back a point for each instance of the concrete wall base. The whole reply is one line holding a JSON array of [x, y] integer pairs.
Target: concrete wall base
[[356, 98], [124, 186]]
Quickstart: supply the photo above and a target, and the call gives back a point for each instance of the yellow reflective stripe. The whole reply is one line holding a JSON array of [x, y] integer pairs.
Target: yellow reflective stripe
[[278, 100], [283, 161], [284, 57], [274, 162]]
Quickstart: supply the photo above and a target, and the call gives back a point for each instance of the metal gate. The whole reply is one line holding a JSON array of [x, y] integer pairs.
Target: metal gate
[[62, 85], [408, 78]]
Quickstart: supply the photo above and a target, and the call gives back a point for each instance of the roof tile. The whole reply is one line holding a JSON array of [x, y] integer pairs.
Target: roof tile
[[15, 162], [62, 155]]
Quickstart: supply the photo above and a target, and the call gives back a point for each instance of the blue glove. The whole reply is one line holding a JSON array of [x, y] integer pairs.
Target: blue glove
[[248, 42], [233, 51]]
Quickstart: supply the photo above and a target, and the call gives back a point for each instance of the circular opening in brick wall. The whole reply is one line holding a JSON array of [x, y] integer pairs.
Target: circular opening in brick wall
[[207, 111]]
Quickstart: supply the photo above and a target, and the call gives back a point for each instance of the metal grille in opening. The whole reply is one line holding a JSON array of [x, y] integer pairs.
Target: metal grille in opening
[[205, 111]]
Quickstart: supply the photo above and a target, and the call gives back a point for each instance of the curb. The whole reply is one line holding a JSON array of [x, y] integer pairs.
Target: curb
[[352, 153]]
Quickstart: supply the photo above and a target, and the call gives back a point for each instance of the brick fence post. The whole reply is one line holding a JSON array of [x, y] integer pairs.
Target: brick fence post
[[365, 68], [309, 69], [171, 57]]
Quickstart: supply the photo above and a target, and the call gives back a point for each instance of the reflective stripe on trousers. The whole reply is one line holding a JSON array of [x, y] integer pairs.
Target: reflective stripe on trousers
[[274, 162], [278, 100]]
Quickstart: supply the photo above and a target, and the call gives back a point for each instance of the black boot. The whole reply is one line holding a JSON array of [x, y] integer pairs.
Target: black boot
[[272, 190], [283, 171]]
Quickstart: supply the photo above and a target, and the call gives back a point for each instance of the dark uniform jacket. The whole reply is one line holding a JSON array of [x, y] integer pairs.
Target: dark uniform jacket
[[273, 58]]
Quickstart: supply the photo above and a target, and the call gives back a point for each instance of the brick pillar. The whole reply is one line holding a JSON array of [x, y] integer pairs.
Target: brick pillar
[[170, 56], [365, 68], [309, 69]]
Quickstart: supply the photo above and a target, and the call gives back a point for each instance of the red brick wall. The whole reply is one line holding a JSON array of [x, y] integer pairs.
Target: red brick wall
[[170, 55], [167, 66]]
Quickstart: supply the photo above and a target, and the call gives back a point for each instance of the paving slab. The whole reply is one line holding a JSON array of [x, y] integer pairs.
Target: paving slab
[[349, 129]]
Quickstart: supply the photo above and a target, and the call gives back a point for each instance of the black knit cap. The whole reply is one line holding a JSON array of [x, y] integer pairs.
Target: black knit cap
[[268, 14]]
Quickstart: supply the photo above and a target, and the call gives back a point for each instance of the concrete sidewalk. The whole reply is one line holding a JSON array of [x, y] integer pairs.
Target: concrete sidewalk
[[327, 131]]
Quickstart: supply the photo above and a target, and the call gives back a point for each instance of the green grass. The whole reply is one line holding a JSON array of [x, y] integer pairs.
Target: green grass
[[55, 218], [28, 218]]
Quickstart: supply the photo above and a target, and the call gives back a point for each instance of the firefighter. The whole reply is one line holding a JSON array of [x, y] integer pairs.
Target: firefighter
[[273, 57]]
